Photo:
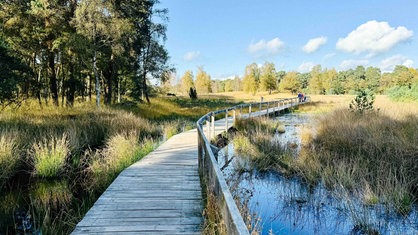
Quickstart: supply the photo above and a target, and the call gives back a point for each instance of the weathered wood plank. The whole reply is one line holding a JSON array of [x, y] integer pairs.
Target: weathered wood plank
[[160, 194]]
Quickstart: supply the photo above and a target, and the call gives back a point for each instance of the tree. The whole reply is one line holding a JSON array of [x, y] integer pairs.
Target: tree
[[149, 35], [13, 70], [251, 79], [372, 77], [237, 84], [268, 77], [186, 82], [203, 82], [290, 83], [316, 82], [99, 22], [402, 76]]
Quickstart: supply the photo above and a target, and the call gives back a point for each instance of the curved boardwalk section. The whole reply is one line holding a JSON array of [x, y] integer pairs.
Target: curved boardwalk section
[[160, 194]]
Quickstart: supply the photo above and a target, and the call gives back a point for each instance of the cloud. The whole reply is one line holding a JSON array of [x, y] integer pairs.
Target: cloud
[[306, 67], [373, 37], [191, 55], [271, 47], [388, 64], [329, 56], [351, 64], [314, 44]]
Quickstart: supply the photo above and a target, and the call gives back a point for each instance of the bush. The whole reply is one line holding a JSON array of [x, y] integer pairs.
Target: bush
[[362, 102], [403, 93]]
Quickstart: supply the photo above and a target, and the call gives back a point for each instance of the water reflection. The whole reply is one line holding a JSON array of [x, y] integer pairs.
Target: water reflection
[[274, 204]]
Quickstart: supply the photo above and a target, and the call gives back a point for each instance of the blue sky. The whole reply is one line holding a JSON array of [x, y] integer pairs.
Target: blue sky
[[225, 36]]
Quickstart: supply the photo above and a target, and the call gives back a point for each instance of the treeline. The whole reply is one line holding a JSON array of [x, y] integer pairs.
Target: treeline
[[62, 49], [318, 81]]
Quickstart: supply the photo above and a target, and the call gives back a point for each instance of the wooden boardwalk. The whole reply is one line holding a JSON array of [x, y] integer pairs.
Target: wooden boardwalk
[[160, 194]]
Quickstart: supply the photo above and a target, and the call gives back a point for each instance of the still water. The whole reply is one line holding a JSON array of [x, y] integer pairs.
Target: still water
[[274, 204]]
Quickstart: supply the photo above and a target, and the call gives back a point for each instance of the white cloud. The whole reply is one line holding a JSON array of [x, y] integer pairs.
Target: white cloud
[[314, 44], [191, 55], [329, 56], [271, 47], [351, 64], [306, 67], [374, 37], [388, 64]]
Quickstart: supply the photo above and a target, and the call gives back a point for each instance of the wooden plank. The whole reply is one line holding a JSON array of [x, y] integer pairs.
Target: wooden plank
[[161, 194]]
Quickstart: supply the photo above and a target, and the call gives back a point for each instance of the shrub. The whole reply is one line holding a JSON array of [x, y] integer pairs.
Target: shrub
[[362, 102]]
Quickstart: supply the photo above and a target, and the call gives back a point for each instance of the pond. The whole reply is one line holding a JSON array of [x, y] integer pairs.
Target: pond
[[274, 204]]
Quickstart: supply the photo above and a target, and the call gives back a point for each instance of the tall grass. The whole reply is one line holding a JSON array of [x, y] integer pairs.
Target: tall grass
[[9, 158], [49, 156], [121, 151], [373, 155], [255, 141]]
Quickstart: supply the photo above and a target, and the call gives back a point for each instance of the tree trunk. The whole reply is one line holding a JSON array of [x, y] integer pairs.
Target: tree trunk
[[109, 80], [52, 78], [96, 75], [71, 85]]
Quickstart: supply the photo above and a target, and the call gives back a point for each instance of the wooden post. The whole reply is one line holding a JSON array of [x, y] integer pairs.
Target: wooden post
[[249, 111], [226, 120], [213, 124], [268, 106], [234, 116], [208, 129]]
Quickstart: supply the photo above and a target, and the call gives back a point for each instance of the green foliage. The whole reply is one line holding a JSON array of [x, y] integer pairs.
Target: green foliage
[[186, 82], [363, 102], [12, 72], [203, 82], [268, 77], [290, 83], [403, 93], [251, 79]]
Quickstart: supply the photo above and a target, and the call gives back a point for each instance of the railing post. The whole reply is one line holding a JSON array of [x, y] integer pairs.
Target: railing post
[[199, 150], [268, 106], [226, 120], [234, 116], [249, 111], [208, 129], [212, 118], [259, 110]]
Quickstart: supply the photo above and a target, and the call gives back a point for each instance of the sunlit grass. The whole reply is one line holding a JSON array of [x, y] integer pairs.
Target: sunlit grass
[[49, 156], [9, 158]]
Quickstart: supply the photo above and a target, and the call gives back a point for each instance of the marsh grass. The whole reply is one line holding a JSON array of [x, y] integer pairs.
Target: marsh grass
[[255, 141], [371, 153], [214, 223], [9, 158], [49, 156]]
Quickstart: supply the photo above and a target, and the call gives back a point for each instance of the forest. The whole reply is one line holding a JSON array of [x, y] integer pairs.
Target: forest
[[63, 50]]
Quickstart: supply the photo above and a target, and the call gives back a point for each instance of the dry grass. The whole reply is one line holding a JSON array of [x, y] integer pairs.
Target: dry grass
[[373, 155]]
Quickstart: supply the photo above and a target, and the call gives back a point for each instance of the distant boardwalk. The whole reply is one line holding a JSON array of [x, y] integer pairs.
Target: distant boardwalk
[[160, 194]]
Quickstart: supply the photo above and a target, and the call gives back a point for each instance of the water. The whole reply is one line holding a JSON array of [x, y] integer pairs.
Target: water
[[279, 205]]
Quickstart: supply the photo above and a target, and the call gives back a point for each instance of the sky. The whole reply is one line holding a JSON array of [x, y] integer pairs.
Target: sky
[[223, 36]]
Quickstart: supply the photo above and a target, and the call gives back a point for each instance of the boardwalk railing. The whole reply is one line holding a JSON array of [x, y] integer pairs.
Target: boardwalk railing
[[208, 165]]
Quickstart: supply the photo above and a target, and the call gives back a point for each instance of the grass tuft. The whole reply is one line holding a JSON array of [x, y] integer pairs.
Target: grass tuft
[[49, 156]]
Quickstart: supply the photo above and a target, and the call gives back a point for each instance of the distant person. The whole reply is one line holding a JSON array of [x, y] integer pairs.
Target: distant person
[[300, 96]]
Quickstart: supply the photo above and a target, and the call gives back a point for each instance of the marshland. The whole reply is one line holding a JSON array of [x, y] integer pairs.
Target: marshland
[[336, 171], [88, 87]]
